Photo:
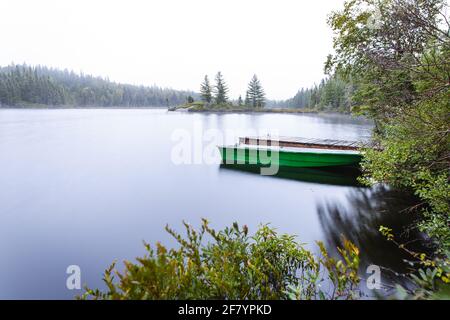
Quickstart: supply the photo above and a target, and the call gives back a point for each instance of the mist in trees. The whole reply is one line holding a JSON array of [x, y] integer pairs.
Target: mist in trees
[[39, 85], [332, 94], [28, 85]]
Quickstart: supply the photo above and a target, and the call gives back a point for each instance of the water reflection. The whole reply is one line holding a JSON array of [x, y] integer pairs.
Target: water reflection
[[358, 217], [359, 221], [339, 176]]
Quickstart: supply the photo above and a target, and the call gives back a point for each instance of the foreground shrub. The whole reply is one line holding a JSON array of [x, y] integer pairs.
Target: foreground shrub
[[233, 265], [430, 275]]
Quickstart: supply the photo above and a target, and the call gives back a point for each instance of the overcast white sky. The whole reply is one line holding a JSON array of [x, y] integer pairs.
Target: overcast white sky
[[174, 43]]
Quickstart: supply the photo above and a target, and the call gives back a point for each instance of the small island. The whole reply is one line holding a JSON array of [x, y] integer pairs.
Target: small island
[[215, 99]]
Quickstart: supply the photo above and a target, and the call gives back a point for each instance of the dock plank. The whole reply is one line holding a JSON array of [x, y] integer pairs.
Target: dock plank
[[285, 141]]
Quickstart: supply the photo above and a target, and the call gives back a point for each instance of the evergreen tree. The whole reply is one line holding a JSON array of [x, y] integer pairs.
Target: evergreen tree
[[247, 100], [22, 84], [221, 90], [255, 92], [333, 93], [240, 101], [205, 90]]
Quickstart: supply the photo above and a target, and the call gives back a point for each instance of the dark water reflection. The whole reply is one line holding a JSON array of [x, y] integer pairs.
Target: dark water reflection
[[338, 176], [86, 187], [360, 221]]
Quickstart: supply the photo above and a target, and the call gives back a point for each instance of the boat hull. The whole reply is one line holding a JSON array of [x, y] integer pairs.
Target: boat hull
[[287, 158]]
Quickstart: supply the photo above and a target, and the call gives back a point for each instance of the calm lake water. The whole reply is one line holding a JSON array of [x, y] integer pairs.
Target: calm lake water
[[86, 187]]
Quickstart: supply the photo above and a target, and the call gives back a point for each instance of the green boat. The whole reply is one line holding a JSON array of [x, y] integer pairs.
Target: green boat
[[288, 157]]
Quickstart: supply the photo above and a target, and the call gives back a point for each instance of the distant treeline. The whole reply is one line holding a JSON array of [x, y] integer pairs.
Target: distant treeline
[[28, 85], [332, 94]]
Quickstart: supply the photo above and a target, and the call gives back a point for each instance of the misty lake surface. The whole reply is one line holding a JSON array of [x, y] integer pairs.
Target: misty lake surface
[[86, 186]]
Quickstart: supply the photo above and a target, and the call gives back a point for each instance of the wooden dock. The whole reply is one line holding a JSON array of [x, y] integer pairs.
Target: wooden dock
[[302, 142]]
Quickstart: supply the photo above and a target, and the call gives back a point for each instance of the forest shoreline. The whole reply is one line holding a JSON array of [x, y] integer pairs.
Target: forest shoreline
[[171, 109], [244, 110], [46, 107], [174, 109]]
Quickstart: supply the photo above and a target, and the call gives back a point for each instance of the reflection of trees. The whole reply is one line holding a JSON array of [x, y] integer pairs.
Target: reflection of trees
[[360, 222]]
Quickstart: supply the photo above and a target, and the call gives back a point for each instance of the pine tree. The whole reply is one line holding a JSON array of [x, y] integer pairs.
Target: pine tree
[[221, 90], [256, 93], [247, 100], [240, 101], [41, 85], [205, 91]]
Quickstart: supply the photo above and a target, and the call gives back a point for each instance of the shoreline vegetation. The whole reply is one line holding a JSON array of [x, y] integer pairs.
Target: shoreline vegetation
[[215, 99], [77, 107], [37, 86], [229, 108], [234, 265], [181, 108], [194, 107]]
